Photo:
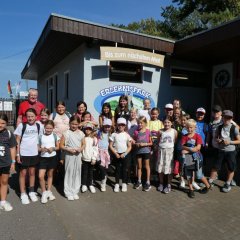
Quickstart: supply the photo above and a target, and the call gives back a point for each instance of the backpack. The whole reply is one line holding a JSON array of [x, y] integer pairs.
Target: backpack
[[54, 114], [55, 139]]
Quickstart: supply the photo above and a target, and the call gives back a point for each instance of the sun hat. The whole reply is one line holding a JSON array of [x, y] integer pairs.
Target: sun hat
[[121, 121], [107, 122]]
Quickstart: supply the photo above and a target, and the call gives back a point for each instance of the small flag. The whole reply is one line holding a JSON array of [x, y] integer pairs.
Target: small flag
[[9, 88]]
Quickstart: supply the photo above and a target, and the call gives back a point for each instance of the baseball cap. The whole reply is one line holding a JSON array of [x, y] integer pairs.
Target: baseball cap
[[228, 113], [169, 106], [202, 110], [107, 122], [88, 125], [121, 121], [216, 108]]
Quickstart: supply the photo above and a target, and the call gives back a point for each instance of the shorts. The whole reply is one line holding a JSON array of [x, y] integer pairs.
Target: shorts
[[227, 157], [5, 170], [143, 156], [28, 161], [48, 162]]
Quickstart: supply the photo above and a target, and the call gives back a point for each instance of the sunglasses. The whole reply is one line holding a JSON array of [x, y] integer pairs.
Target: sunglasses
[[106, 126], [200, 113], [121, 124]]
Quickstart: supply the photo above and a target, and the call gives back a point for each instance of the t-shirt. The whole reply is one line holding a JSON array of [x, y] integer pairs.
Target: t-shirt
[[29, 142], [202, 129], [61, 123], [120, 141], [212, 129], [167, 138], [103, 140], [225, 135], [133, 126], [144, 113], [24, 106], [47, 141], [7, 141], [142, 137], [154, 127], [191, 141]]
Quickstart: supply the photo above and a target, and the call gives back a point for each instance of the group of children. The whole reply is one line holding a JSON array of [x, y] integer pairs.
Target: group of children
[[130, 139]]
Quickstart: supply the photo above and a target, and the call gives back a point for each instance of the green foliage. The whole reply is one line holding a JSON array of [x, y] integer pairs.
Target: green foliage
[[186, 17]]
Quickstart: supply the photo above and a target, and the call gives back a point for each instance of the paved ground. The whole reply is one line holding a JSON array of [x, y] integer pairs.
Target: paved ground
[[124, 216]]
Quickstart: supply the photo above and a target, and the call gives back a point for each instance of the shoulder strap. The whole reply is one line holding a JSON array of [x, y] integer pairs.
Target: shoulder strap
[[55, 138], [205, 128], [219, 130], [23, 128], [9, 134], [54, 115], [68, 114], [38, 127], [232, 133], [40, 139]]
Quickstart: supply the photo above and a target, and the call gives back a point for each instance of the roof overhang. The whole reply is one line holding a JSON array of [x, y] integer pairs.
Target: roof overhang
[[214, 46], [61, 35]]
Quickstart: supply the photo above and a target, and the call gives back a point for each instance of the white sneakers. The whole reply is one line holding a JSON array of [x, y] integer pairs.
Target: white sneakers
[[195, 186], [24, 199], [6, 206], [33, 196], [116, 188], [91, 188], [182, 184], [103, 184], [47, 195]]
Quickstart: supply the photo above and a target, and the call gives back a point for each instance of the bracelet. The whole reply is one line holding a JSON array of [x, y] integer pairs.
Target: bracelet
[[13, 161], [17, 154]]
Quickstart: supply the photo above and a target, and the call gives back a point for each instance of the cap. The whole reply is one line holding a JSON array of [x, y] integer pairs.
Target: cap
[[216, 108], [121, 121], [202, 110], [228, 113], [107, 122], [169, 106], [88, 125]]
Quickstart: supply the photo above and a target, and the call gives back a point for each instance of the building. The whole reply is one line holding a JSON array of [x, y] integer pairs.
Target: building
[[78, 60]]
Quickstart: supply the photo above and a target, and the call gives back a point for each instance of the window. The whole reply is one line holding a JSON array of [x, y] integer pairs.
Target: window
[[188, 78], [125, 72], [66, 85]]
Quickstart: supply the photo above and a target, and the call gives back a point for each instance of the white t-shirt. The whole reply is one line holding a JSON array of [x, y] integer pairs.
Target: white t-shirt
[[28, 146], [48, 141], [167, 138], [120, 141], [144, 113]]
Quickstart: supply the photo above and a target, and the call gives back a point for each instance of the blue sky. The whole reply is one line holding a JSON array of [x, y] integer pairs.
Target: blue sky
[[21, 23]]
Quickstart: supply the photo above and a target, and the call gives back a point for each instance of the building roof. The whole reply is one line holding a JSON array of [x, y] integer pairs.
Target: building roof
[[213, 46], [61, 35]]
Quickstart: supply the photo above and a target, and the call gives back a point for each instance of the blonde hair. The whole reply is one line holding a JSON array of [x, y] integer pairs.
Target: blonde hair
[[191, 122], [142, 119], [133, 109]]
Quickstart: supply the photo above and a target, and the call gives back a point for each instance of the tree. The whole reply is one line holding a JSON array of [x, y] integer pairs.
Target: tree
[[186, 17]]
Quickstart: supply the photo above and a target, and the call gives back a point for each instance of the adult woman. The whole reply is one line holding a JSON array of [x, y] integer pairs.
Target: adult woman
[[81, 109]]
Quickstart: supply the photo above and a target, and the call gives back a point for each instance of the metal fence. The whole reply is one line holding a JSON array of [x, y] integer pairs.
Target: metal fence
[[10, 108]]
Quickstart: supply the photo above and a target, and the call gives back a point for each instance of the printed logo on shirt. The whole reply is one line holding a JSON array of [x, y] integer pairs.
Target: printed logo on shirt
[[2, 151], [167, 139]]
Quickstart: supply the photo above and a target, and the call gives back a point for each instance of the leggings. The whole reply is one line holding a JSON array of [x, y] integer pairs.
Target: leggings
[[121, 169], [87, 173]]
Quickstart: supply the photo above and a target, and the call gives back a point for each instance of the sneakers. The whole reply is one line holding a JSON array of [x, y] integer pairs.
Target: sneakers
[[233, 183], [191, 194], [6, 206], [33, 196], [51, 196], [167, 189], [76, 197], [204, 190], [44, 198], [146, 187], [182, 184], [226, 188], [160, 188], [24, 199], [103, 187], [84, 188], [124, 187], [116, 188], [70, 198], [195, 186], [92, 189], [137, 185]]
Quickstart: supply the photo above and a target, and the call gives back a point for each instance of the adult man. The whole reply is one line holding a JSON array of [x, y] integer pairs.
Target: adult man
[[30, 103], [146, 109]]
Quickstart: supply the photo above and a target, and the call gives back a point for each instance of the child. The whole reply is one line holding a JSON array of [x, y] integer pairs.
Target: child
[[86, 118], [44, 116], [133, 122], [122, 110], [105, 114], [146, 109], [27, 154], [167, 138], [103, 154], [89, 157], [120, 145], [47, 146], [7, 160], [143, 142], [191, 145], [154, 125], [71, 143]]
